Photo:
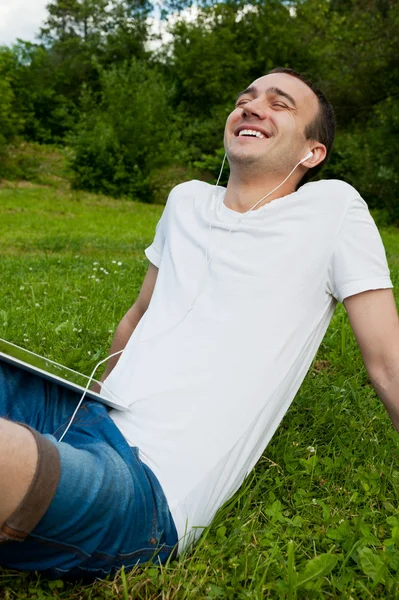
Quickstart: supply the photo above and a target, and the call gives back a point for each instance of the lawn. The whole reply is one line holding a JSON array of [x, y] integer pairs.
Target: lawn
[[318, 517]]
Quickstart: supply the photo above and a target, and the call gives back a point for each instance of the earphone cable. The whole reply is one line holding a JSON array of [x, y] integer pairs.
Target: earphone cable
[[85, 392]]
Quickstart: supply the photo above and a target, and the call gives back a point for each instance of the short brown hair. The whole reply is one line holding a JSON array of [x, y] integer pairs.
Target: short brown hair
[[322, 128]]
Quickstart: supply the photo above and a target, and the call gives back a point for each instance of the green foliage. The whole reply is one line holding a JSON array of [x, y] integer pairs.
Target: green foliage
[[17, 165], [47, 79], [9, 124], [41, 93], [123, 137], [32, 162], [10, 121], [215, 57], [83, 19], [212, 163], [368, 158], [95, 81], [92, 21]]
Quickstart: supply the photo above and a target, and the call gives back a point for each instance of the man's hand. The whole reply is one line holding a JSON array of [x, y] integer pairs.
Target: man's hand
[[96, 387], [375, 323]]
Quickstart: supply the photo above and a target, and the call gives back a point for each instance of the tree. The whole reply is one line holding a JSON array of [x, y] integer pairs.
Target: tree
[[11, 120], [83, 19], [125, 134]]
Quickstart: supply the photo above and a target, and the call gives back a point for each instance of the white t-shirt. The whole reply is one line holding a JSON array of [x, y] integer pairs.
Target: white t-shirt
[[215, 362]]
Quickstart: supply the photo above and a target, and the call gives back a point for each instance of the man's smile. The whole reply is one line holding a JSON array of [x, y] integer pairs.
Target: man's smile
[[251, 131]]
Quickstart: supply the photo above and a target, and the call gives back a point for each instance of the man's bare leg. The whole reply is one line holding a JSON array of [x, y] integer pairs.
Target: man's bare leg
[[18, 461]]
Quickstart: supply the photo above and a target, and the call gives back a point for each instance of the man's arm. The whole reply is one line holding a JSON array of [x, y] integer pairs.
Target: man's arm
[[375, 323], [129, 322]]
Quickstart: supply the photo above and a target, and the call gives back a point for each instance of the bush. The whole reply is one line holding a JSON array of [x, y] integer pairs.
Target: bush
[[15, 164], [10, 121], [124, 136], [368, 158]]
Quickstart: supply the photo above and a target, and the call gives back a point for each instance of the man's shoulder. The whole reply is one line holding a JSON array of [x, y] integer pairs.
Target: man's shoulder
[[191, 187], [330, 187], [184, 196]]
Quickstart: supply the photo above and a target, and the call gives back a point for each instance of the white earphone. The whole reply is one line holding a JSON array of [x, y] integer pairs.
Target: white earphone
[[307, 157], [213, 207]]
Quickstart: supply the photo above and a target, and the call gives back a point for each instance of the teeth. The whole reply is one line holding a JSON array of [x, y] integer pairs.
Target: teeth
[[252, 132]]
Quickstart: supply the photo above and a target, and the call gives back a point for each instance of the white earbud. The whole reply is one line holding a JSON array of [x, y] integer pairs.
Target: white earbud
[[307, 157]]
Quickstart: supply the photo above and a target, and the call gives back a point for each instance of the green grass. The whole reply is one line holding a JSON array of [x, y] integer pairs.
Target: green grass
[[317, 518]]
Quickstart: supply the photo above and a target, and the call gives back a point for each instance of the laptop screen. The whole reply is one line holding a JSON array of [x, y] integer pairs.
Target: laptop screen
[[53, 371]]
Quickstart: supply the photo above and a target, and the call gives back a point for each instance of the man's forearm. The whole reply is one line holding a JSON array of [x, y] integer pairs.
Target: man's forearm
[[122, 335], [387, 390], [129, 322]]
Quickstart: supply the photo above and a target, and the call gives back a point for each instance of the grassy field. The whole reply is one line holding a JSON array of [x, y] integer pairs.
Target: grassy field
[[318, 517]]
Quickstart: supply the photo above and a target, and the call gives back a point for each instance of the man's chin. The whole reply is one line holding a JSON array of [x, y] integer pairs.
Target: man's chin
[[243, 154], [246, 160]]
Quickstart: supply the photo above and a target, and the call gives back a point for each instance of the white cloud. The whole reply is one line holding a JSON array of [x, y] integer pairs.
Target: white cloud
[[161, 28], [21, 19]]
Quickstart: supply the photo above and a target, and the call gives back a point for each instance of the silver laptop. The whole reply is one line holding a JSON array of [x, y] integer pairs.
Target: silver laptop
[[44, 367]]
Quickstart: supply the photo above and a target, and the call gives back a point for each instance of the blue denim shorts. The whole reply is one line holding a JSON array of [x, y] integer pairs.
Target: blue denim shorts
[[108, 509]]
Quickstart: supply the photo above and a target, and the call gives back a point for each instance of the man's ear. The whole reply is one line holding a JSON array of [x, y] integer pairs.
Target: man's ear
[[319, 152]]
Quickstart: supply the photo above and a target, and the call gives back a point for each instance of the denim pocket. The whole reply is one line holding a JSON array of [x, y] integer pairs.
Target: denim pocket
[[89, 414]]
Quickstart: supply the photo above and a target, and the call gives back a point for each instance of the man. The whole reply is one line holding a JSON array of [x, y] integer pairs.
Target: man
[[240, 288]]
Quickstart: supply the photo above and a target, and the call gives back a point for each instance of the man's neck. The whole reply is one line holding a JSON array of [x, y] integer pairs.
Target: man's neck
[[244, 191]]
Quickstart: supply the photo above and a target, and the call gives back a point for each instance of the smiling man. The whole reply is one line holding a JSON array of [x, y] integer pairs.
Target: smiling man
[[240, 289]]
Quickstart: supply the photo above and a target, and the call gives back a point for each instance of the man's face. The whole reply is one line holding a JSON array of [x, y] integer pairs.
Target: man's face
[[266, 129]]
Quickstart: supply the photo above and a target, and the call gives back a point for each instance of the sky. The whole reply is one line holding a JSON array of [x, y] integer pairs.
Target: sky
[[21, 19]]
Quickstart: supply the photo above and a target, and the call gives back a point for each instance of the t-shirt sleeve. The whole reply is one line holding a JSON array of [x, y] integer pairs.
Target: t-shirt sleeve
[[358, 261], [154, 252]]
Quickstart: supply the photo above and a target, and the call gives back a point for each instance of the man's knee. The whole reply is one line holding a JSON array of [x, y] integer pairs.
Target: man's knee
[[29, 474]]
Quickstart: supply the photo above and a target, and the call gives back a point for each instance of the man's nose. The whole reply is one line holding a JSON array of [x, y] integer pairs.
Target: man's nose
[[254, 108]]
